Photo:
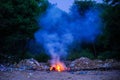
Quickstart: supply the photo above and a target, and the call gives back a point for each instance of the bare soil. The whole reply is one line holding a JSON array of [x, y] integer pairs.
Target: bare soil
[[47, 75]]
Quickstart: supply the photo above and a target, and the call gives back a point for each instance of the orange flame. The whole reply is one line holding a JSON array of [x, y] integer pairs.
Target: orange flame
[[58, 66]]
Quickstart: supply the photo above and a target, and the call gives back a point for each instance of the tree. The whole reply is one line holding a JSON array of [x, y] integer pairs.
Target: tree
[[111, 20], [112, 2], [18, 23], [83, 6], [108, 42]]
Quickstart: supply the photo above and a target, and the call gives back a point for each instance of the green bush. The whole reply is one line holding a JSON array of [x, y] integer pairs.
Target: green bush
[[82, 53], [109, 55], [42, 57]]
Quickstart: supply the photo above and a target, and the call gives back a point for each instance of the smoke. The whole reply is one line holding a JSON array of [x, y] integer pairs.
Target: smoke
[[60, 29]]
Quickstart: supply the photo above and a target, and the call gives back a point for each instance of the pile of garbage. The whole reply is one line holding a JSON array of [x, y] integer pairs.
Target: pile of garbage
[[86, 63], [32, 64], [78, 64], [82, 63], [7, 67], [25, 64]]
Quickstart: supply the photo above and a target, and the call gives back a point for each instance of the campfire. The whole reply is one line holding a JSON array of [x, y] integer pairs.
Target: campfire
[[58, 66]]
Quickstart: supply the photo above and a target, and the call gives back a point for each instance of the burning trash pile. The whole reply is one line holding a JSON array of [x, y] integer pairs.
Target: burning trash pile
[[57, 65], [32, 64], [82, 63]]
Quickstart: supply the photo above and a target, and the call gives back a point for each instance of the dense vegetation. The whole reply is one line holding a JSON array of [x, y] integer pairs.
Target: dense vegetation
[[106, 44], [18, 25]]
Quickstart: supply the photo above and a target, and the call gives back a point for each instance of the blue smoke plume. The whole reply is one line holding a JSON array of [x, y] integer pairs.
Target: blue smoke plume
[[59, 29]]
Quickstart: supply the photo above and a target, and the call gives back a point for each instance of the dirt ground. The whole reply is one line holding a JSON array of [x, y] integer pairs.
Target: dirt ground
[[47, 75]]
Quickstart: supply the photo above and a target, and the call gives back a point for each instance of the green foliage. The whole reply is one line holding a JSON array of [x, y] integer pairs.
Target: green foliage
[[82, 53], [87, 53], [42, 57], [109, 55], [108, 42], [110, 39], [83, 6], [112, 2], [18, 24]]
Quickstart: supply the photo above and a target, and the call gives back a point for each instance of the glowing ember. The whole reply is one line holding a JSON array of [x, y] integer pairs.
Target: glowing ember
[[58, 66]]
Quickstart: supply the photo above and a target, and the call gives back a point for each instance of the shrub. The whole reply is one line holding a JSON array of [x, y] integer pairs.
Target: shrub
[[82, 53]]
